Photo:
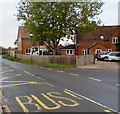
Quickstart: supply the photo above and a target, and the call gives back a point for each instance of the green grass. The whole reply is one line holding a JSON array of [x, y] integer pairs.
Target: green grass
[[59, 65], [26, 61], [10, 58], [32, 62], [16, 59]]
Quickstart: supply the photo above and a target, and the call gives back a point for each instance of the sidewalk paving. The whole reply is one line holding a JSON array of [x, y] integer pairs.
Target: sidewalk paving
[[102, 65]]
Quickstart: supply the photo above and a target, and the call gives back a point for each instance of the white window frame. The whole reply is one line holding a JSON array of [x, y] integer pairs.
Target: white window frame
[[68, 52], [97, 50], [109, 50], [116, 40], [29, 50], [84, 51]]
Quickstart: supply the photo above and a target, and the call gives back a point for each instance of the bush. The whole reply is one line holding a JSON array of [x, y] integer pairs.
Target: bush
[[10, 58]]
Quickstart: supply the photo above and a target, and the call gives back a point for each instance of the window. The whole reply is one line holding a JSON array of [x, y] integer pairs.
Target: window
[[102, 37], [98, 51], [84, 52], [114, 40], [27, 51], [69, 52], [109, 50]]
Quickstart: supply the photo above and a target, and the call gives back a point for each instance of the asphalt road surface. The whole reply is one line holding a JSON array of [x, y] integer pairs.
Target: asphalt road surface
[[32, 88]]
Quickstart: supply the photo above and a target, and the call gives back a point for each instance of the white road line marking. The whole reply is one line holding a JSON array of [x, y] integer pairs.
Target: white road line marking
[[41, 67], [59, 71], [13, 66], [92, 101], [33, 75], [74, 74], [94, 79], [49, 69], [118, 84], [36, 65]]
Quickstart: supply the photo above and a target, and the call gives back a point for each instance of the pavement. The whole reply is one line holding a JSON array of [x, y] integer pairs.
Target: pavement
[[102, 65]]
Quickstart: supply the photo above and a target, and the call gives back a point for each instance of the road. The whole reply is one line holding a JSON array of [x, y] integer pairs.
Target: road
[[32, 88]]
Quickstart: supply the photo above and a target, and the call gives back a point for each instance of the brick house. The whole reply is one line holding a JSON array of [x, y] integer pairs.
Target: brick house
[[69, 50], [23, 41], [24, 44], [102, 39]]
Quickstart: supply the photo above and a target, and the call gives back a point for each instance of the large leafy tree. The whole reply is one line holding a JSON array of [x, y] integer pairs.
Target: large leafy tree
[[49, 21]]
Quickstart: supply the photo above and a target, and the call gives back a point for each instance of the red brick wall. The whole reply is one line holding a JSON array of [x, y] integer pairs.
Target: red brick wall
[[63, 52], [26, 43], [87, 44]]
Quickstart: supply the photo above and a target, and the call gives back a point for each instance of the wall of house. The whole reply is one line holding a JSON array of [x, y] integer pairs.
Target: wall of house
[[63, 52], [26, 44], [103, 45]]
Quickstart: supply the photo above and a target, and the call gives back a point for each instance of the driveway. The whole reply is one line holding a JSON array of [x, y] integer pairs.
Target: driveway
[[103, 65]]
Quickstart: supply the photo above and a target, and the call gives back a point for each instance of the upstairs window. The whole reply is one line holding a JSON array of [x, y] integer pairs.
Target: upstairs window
[[84, 52], [114, 40]]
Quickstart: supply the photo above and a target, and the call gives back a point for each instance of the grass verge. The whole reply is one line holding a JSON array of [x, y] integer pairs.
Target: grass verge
[[16, 59], [10, 58], [59, 65], [32, 62]]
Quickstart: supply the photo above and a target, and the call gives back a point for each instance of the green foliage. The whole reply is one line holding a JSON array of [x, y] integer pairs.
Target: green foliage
[[26, 61], [49, 21], [10, 58], [118, 44], [59, 65]]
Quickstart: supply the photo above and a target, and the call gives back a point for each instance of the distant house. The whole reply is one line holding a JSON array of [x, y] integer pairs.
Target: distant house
[[102, 39], [69, 50], [24, 44], [23, 41]]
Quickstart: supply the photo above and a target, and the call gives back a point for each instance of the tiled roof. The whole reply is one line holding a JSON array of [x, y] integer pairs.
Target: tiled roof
[[105, 31], [69, 47], [23, 33]]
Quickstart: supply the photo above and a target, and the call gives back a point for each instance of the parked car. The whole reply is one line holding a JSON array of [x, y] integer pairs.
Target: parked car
[[115, 56], [111, 56], [99, 56]]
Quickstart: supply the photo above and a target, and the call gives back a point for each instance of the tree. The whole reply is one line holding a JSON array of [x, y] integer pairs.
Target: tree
[[49, 21], [118, 44]]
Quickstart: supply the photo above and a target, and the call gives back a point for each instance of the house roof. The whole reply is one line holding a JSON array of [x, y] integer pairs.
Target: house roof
[[105, 31], [22, 32], [69, 47]]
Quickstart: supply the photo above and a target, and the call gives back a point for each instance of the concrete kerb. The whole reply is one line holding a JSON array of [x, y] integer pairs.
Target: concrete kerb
[[1, 111]]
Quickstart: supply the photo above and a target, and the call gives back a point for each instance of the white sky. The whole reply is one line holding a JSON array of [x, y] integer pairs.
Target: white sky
[[9, 24]]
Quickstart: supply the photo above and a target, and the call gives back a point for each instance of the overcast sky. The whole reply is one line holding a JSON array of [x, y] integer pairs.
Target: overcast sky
[[9, 24]]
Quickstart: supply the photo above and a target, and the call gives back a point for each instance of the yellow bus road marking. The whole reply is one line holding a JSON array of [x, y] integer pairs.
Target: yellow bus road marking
[[6, 109], [7, 71], [10, 77], [22, 104], [4, 67], [58, 95], [107, 111], [10, 85], [57, 106], [33, 100]]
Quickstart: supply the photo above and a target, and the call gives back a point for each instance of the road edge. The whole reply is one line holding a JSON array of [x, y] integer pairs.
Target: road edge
[[1, 111]]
